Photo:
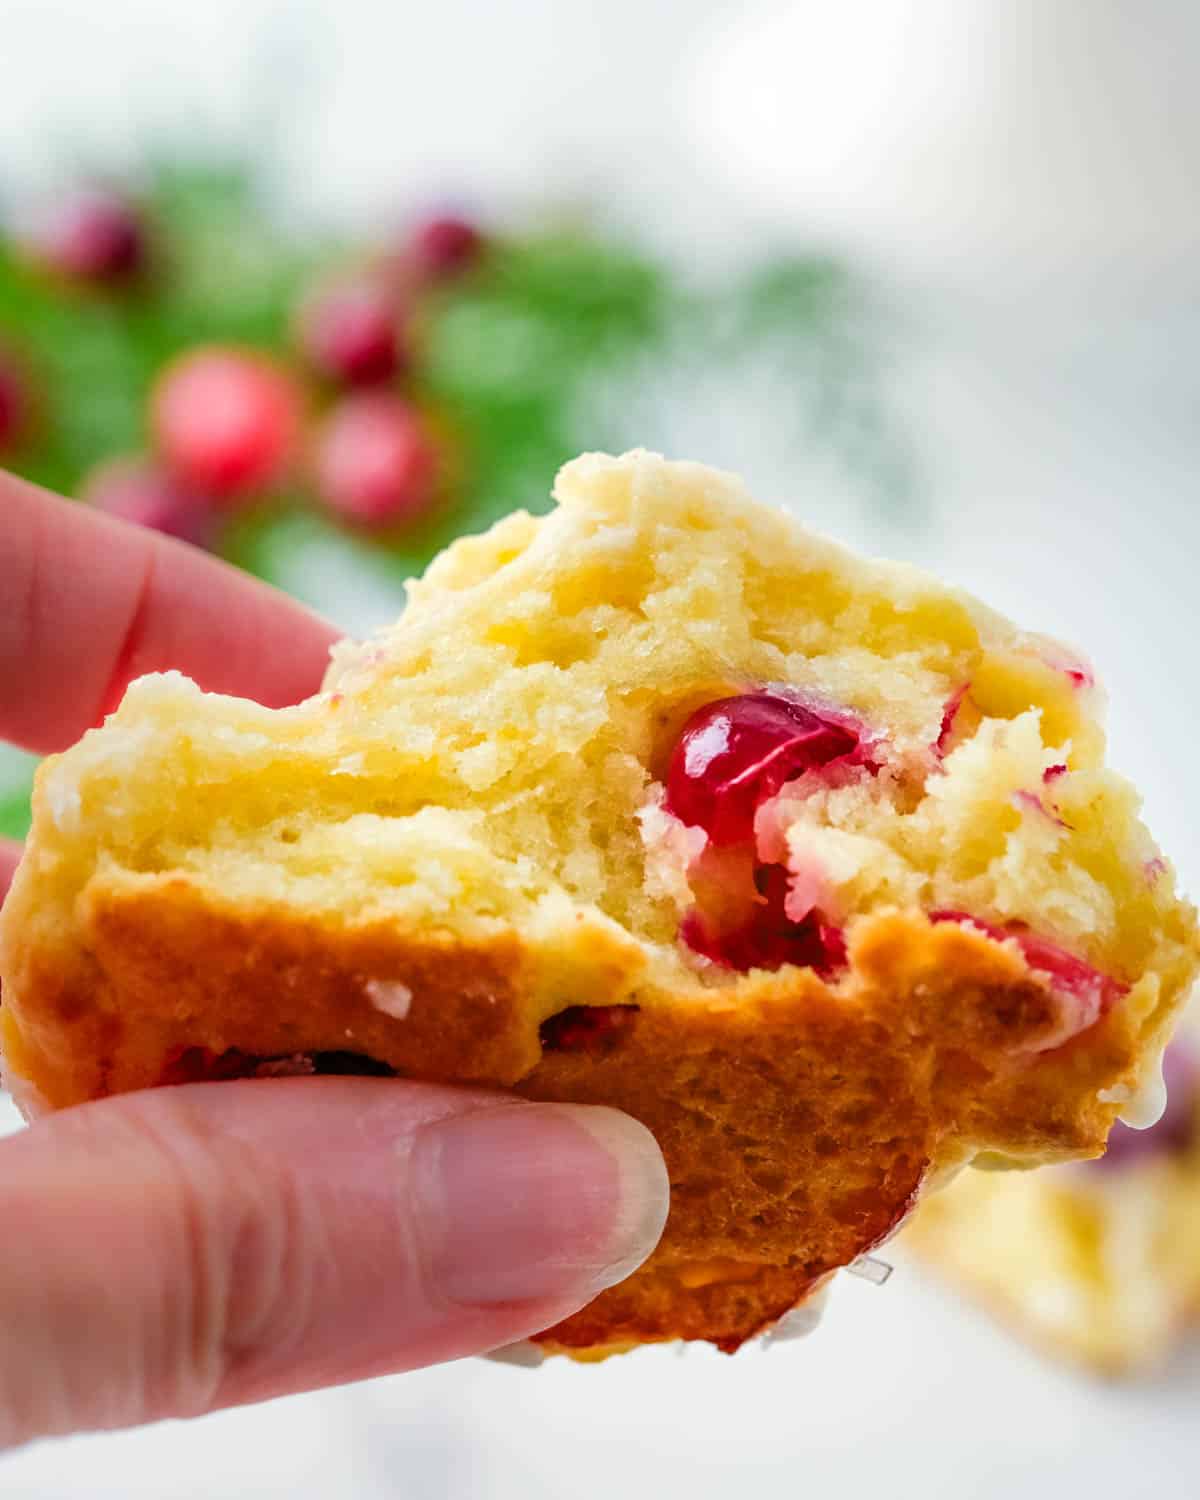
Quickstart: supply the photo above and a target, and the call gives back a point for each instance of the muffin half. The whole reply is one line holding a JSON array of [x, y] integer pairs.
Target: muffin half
[[810, 863]]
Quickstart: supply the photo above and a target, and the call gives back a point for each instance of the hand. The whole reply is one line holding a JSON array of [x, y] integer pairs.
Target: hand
[[173, 1252]]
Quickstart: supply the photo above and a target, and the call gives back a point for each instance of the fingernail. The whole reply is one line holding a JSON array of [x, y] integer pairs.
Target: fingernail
[[521, 1202]]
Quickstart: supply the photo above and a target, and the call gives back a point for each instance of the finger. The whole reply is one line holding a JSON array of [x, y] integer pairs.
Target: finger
[[172, 1252], [89, 602], [10, 855]]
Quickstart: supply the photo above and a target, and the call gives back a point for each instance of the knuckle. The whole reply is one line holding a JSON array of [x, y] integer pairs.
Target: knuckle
[[244, 1240]]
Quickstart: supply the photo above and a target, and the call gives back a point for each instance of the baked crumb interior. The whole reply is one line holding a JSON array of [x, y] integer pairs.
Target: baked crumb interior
[[496, 757]]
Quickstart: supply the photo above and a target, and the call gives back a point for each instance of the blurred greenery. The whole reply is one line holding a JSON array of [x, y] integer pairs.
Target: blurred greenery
[[507, 355], [14, 814]]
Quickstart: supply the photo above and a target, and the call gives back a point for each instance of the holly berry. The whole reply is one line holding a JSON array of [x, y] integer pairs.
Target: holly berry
[[350, 333], [14, 402], [445, 245], [139, 490], [735, 754], [92, 235], [227, 422], [376, 463]]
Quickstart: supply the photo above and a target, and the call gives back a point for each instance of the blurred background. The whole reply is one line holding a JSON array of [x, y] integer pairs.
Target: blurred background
[[321, 284]]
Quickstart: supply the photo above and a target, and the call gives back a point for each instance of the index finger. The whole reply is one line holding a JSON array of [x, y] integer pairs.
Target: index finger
[[87, 603]]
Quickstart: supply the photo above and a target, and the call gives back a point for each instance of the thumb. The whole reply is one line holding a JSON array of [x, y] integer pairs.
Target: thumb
[[173, 1252]]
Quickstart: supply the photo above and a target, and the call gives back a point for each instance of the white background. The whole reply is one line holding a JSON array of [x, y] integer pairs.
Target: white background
[[1025, 176]]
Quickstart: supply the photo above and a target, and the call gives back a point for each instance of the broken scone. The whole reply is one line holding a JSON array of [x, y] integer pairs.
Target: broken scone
[[810, 863], [1095, 1262]]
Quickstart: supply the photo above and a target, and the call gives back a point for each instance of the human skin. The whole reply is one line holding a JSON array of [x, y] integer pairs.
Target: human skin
[[171, 1253]]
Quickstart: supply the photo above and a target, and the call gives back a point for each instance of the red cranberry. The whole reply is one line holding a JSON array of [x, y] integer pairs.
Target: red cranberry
[[587, 1028], [376, 462], [93, 235], [1090, 992], [731, 757], [767, 938], [735, 754], [445, 245], [200, 1065], [1176, 1130], [949, 714], [138, 490], [350, 333], [227, 422]]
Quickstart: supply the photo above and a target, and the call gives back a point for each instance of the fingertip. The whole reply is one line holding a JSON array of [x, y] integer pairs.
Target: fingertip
[[535, 1202], [142, 603], [645, 1188]]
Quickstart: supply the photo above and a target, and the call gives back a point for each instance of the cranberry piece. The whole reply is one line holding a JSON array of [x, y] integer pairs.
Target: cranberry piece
[[92, 236], [138, 490], [227, 422], [376, 462], [445, 245], [1070, 974], [731, 757], [201, 1065], [767, 938], [350, 333], [1089, 991], [735, 754], [949, 714], [587, 1028]]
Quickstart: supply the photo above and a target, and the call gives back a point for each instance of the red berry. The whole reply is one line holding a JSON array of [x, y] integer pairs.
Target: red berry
[[14, 402], [350, 333], [1089, 992], [138, 490], [93, 235], [446, 245], [200, 1065], [767, 938], [949, 714], [227, 422], [376, 463], [735, 754], [731, 757], [587, 1028]]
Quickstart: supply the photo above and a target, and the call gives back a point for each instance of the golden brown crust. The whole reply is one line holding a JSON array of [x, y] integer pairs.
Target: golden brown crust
[[798, 1121]]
